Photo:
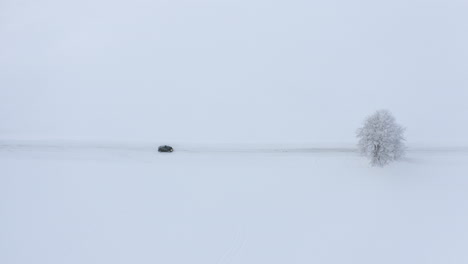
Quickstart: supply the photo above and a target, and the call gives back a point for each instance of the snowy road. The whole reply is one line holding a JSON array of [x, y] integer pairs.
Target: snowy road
[[26, 146]]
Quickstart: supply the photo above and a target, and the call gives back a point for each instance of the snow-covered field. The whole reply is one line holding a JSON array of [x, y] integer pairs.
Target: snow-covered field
[[261, 100], [78, 203]]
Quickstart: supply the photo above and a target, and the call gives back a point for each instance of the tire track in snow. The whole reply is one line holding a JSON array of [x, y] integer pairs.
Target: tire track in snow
[[237, 245]]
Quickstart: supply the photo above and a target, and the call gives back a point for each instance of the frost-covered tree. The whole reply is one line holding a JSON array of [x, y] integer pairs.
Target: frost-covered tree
[[381, 139]]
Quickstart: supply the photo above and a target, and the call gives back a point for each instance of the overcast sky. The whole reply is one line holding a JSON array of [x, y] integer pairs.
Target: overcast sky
[[232, 71]]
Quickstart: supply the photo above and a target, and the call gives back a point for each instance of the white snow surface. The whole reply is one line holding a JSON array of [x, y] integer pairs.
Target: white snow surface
[[111, 203], [261, 101]]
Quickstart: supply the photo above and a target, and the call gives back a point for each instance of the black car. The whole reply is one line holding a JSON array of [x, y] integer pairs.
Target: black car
[[165, 148]]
